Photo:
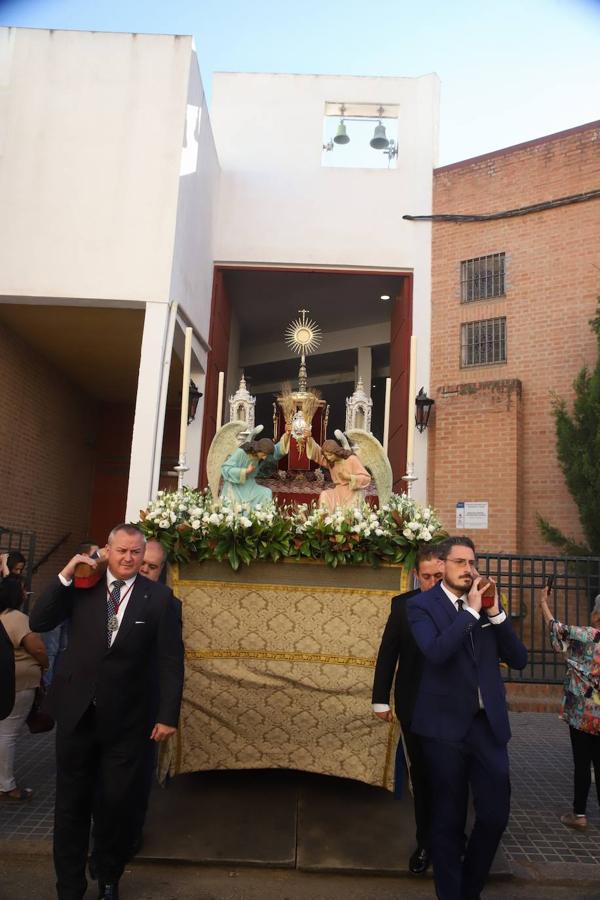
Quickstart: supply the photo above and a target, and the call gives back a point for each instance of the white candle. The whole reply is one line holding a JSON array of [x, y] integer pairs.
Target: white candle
[[220, 400], [185, 392], [412, 389], [386, 416]]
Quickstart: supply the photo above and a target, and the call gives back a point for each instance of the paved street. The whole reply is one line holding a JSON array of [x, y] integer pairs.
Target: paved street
[[536, 845], [34, 881]]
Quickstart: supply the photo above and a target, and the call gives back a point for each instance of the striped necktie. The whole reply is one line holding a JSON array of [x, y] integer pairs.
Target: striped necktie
[[112, 608]]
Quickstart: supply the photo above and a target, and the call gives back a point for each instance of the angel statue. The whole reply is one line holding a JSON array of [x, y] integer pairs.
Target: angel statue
[[240, 466], [348, 472]]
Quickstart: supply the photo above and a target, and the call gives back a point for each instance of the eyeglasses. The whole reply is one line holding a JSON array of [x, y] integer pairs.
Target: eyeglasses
[[463, 563]]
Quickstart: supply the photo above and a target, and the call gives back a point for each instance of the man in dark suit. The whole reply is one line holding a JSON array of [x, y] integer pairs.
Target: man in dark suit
[[398, 653], [7, 674], [461, 716], [117, 686]]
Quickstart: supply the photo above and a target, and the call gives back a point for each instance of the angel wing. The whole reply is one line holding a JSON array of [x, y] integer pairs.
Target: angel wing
[[374, 458], [225, 441], [342, 439]]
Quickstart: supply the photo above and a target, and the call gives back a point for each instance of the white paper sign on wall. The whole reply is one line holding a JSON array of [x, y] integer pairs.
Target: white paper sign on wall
[[472, 514]]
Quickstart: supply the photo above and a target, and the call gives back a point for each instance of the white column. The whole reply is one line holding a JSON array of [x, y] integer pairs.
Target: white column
[[146, 444], [364, 368]]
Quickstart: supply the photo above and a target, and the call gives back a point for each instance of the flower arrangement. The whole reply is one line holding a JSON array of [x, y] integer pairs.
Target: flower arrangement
[[193, 525]]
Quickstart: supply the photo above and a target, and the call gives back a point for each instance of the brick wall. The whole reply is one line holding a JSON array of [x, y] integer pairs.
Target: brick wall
[[552, 282], [47, 434]]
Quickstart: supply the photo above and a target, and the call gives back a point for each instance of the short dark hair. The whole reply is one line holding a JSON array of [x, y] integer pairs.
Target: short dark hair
[[86, 546], [13, 559], [445, 547], [129, 529], [11, 594], [424, 554]]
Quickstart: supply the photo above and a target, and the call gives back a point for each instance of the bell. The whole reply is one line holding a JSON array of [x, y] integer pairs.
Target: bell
[[341, 136], [379, 140]]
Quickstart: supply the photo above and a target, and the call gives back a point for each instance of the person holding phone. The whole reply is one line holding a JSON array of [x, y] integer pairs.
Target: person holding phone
[[580, 645], [461, 715]]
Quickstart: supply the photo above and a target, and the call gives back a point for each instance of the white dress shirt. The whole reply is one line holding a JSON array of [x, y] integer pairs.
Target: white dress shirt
[[126, 590], [495, 620]]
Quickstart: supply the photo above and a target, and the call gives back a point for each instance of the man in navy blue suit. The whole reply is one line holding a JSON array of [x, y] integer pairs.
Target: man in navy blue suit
[[461, 715]]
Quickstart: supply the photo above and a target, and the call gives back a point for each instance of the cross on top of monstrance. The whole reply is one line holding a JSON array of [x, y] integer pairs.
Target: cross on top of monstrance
[[303, 336]]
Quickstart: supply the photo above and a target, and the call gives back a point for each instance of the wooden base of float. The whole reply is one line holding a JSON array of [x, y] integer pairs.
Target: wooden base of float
[[279, 668]]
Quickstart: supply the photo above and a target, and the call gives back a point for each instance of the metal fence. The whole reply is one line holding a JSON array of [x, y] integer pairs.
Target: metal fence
[[520, 580]]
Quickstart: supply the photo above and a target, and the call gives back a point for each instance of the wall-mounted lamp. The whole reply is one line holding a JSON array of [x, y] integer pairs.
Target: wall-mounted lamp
[[423, 405], [194, 396]]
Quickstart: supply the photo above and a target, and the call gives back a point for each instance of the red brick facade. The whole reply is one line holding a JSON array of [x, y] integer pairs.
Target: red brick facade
[[47, 436], [493, 435]]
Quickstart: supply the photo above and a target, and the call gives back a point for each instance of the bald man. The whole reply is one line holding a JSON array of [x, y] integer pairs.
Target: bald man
[[155, 557]]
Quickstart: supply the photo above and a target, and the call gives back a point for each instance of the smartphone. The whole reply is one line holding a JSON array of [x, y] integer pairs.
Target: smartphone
[[550, 582]]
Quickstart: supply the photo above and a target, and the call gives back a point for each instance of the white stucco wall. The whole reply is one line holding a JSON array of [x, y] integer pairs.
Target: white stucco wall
[[279, 205], [91, 127], [192, 273]]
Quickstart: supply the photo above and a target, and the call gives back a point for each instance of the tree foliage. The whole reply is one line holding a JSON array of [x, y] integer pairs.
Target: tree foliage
[[578, 451]]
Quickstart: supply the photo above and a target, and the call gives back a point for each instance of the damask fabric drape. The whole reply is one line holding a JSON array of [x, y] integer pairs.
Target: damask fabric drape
[[279, 675]]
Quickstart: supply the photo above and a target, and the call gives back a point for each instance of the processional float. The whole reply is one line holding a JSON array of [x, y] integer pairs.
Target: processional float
[[287, 648]]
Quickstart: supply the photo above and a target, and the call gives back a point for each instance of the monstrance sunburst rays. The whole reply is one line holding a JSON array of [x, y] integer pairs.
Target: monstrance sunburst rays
[[303, 335]]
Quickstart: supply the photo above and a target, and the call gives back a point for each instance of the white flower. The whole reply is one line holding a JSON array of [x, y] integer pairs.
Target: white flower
[[164, 523], [407, 533], [414, 526], [379, 532], [245, 522], [424, 535], [195, 523], [215, 519]]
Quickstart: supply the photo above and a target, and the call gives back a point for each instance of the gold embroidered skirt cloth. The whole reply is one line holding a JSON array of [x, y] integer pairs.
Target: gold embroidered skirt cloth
[[279, 669]]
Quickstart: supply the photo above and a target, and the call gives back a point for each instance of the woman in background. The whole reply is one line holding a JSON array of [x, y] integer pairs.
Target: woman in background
[[30, 660], [581, 702]]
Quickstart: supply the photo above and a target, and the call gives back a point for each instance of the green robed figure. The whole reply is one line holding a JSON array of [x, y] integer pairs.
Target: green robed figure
[[241, 469]]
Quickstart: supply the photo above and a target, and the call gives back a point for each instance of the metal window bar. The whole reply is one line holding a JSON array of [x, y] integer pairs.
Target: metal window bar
[[520, 581], [482, 277], [483, 342]]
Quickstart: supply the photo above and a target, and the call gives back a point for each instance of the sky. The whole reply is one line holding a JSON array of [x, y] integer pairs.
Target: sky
[[510, 71]]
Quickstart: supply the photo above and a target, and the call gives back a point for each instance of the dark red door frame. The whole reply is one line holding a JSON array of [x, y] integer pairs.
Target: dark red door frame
[[400, 333]]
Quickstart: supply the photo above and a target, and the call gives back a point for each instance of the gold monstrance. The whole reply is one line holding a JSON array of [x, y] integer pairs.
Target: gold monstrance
[[302, 336]]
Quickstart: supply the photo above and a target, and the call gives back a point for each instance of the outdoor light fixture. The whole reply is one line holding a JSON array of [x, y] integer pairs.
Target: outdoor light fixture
[[194, 395], [423, 411]]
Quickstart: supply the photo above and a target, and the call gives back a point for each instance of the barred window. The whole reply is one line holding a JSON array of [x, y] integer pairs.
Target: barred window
[[482, 277], [483, 342]]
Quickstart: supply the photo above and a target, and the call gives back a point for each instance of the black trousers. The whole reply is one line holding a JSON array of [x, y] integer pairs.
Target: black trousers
[[421, 788], [480, 763], [586, 753], [95, 776]]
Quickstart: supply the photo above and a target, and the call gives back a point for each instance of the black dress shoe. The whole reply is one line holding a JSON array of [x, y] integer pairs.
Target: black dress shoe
[[419, 861], [108, 891]]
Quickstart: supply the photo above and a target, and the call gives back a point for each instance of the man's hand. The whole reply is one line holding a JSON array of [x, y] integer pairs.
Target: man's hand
[[476, 593], [69, 570], [161, 732], [3, 566], [386, 715], [494, 610], [250, 469]]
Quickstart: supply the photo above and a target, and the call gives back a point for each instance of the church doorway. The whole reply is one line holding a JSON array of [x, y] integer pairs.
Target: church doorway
[[365, 318]]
